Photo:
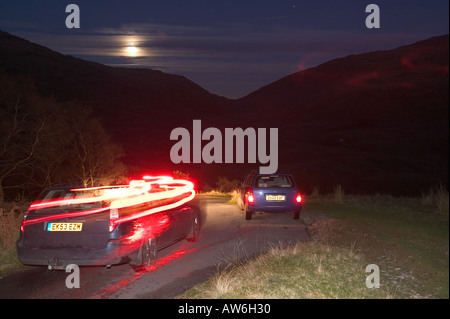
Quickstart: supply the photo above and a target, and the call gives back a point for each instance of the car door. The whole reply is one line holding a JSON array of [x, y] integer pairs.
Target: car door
[[162, 223], [182, 218]]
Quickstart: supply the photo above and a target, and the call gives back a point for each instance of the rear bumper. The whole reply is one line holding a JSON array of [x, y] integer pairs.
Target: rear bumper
[[274, 208], [114, 253]]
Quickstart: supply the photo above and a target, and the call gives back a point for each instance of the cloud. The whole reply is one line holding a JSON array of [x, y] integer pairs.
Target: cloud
[[208, 55]]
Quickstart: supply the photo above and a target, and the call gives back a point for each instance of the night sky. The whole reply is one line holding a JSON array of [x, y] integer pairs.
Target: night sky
[[230, 48]]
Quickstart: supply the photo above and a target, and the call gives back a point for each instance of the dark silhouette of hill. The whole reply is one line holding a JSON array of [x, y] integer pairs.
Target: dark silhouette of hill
[[373, 122], [362, 87], [139, 107]]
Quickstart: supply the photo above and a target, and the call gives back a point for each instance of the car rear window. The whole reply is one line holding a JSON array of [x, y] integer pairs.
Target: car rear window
[[65, 196], [274, 181]]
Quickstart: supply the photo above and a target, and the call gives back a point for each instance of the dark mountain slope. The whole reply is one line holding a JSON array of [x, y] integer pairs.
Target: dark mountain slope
[[362, 86], [135, 105], [373, 122]]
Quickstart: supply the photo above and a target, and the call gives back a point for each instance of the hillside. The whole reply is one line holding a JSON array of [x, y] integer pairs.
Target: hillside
[[372, 83], [135, 105], [373, 122]]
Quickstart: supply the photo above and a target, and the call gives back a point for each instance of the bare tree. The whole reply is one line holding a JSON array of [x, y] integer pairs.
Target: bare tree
[[97, 158], [21, 129], [42, 142]]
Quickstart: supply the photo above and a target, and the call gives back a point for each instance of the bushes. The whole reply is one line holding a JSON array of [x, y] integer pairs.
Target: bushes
[[11, 216], [225, 185]]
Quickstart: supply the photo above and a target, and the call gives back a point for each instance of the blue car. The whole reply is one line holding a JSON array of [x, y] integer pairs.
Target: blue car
[[269, 193]]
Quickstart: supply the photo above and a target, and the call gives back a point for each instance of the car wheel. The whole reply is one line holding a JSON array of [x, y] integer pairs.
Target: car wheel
[[149, 250], [195, 232], [296, 215], [146, 254], [248, 214]]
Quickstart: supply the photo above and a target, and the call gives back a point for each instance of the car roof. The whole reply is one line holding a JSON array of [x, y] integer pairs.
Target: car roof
[[273, 174]]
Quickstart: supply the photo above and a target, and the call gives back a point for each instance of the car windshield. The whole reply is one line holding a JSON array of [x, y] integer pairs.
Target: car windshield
[[274, 181]]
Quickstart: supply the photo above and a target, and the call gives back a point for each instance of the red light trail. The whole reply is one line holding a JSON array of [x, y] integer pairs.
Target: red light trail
[[138, 199], [155, 265]]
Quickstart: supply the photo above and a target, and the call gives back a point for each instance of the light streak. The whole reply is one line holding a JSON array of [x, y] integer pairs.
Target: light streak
[[149, 268], [115, 222], [138, 199]]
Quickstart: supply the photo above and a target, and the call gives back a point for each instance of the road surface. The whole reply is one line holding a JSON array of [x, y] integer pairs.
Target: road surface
[[225, 236]]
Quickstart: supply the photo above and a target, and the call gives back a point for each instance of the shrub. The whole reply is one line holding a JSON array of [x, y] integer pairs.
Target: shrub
[[225, 185], [180, 175], [11, 216]]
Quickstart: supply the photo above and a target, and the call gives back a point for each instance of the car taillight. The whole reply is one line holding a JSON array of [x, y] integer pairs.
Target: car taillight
[[298, 198], [250, 197], [113, 216], [22, 225]]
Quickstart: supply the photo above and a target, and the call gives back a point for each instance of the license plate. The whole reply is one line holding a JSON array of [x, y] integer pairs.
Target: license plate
[[64, 226], [275, 197]]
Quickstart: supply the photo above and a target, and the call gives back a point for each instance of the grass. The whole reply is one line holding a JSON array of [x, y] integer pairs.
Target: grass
[[307, 270], [437, 197], [408, 240], [339, 194], [11, 216], [406, 237]]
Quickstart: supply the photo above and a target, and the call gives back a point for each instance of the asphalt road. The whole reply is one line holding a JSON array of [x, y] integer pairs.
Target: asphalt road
[[225, 236]]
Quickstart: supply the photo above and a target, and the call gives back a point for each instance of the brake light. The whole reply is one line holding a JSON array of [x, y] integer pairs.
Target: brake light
[[22, 225], [298, 199], [250, 197]]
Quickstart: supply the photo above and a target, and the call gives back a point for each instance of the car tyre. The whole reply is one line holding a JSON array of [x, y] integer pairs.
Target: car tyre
[[296, 215], [147, 253], [195, 232], [248, 214]]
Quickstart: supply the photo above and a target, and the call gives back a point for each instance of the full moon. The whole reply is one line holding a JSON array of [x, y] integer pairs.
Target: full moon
[[132, 51]]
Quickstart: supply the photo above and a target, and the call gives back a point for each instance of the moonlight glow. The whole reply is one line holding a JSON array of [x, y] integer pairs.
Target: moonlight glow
[[132, 51]]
